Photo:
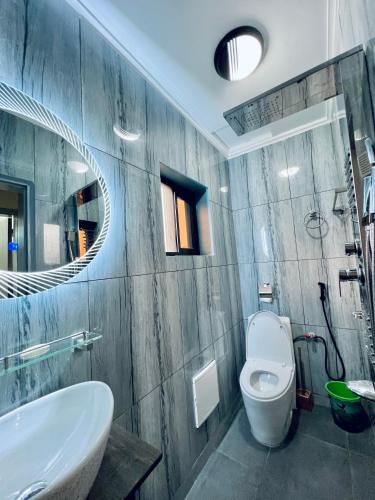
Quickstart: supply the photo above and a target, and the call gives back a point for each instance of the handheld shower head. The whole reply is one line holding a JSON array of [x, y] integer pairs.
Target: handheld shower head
[[323, 289]]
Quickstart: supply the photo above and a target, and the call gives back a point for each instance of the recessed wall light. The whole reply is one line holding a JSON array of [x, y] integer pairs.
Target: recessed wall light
[[224, 189], [79, 167], [124, 134], [239, 53]]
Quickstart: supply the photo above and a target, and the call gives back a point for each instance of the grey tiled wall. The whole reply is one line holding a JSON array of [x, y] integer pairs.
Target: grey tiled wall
[[162, 318], [354, 24], [274, 246]]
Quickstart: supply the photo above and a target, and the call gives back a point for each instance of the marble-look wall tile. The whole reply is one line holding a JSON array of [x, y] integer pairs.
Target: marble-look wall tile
[[255, 178], [354, 24], [50, 166], [12, 28], [176, 442], [273, 231], [350, 348], [234, 293], [227, 374], [266, 272], [111, 261], [167, 314], [342, 306], [229, 236], [274, 167], [224, 197], [214, 161], [283, 235], [263, 247], [220, 245], [301, 353], [145, 336], [111, 356], [299, 156], [243, 228], [339, 308], [205, 301], [125, 420], [238, 182], [204, 162], [354, 74], [165, 135], [50, 68], [337, 229], [311, 272], [238, 334], [308, 234], [221, 313], [187, 292], [113, 93], [149, 422], [144, 230], [16, 157], [285, 280], [328, 169], [317, 360], [37, 319], [193, 152], [249, 288]]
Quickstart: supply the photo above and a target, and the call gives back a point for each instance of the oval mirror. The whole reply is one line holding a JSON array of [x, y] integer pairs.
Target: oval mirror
[[54, 206]]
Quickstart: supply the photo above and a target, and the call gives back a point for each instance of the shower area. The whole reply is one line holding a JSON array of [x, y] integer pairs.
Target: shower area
[[298, 212]]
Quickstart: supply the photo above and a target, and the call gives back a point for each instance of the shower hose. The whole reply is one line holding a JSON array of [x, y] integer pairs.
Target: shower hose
[[318, 338]]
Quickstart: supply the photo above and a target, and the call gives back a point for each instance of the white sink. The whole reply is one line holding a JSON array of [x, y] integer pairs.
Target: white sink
[[55, 444]]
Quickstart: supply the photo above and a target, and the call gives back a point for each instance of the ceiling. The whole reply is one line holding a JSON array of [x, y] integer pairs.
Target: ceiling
[[173, 42]]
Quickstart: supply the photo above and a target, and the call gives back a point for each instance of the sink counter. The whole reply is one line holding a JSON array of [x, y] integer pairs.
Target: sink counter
[[126, 464]]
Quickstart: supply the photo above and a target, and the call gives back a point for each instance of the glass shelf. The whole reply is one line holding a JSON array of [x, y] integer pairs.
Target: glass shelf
[[76, 342]]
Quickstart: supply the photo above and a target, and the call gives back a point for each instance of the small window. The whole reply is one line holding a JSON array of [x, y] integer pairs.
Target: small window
[[186, 214], [179, 219]]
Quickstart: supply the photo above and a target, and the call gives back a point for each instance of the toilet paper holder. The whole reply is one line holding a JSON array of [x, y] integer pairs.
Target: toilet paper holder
[[265, 293]]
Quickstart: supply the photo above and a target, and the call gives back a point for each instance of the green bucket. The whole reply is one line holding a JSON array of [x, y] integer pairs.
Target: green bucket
[[347, 410]]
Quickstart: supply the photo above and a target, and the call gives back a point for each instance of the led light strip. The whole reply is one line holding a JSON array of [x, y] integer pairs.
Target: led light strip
[[14, 284]]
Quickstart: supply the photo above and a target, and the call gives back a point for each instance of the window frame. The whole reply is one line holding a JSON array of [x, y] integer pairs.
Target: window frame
[[189, 197]]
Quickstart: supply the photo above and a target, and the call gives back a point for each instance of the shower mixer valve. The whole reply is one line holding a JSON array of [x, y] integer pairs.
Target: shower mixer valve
[[351, 274], [353, 248]]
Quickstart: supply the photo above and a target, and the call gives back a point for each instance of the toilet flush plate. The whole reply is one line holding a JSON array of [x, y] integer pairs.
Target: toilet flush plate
[[205, 393]]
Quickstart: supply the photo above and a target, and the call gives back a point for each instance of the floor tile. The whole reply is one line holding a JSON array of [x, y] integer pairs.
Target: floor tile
[[222, 479], [240, 445], [363, 473], [308, 469], [363, 442], [319, 424]]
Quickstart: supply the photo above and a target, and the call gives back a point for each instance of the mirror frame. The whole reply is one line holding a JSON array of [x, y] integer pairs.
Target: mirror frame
[[20, 284]]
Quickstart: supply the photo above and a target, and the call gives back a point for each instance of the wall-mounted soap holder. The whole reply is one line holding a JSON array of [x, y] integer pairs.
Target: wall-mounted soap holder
[[76, 342]]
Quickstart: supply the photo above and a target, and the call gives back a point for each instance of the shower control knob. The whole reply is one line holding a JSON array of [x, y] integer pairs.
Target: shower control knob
[[351, 274], [353, 248]]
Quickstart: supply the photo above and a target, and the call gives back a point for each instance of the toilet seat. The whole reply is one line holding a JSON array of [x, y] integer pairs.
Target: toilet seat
[[265, 380]]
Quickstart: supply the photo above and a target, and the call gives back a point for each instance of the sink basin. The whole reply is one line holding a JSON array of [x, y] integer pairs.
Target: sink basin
[[52, 448]]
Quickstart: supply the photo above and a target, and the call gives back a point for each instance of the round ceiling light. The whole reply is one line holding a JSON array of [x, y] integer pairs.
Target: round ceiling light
[[239, 53]]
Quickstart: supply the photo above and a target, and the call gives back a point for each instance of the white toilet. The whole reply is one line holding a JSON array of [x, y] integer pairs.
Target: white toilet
[[268, 378]]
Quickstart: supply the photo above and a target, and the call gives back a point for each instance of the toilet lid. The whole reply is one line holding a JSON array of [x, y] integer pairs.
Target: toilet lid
[[268, 338]]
